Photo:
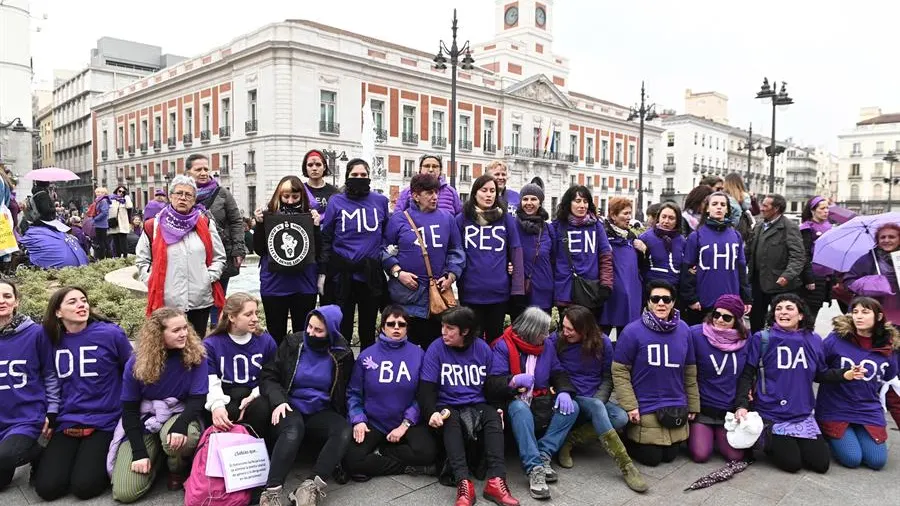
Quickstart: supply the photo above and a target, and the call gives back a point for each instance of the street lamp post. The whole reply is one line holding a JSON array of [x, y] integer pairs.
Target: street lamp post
[[440, 63], [778, 98], [891, 157], [750, 148], [333, 157], [643, 112]]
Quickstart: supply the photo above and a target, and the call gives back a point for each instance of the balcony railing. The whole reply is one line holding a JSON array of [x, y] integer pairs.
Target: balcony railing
[[667, 192], [538, 154], [143, 148], [589, 161], [157, 145], [439, 142], [120, 152], [410, 138], [604, 162], [130, 150], [618, 165], [172, 142], [224, 170], [490, 148], [224, 132], [465, 178], [329, 127], [381, 135], [669, 168], [465, 145], [104, 154], [650, 169], [696, 168], [204, 135], [188, 139], [632, 166], [250, 126], [854, 176], [618, 189], [855, 154], [570, 158]]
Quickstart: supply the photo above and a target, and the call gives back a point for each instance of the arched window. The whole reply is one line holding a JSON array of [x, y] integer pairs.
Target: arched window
[[854, 192], [877, 192]]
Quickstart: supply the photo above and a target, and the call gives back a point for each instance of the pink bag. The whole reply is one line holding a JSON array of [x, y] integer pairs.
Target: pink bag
[[202, 490]]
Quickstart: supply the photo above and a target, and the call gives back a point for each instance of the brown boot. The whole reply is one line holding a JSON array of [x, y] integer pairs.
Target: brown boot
[[580, 435], [614, 447]]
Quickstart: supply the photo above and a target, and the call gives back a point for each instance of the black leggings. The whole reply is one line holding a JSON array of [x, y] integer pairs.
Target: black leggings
[[792, 453], [199, 319], [361, 300], [76, 465], [491, 439], [423, 331], [491, 318], [258, 414], [278, 308], [651, 455], [417, 448], [293, 428], [16, 450], [120, 243], [101, 244]]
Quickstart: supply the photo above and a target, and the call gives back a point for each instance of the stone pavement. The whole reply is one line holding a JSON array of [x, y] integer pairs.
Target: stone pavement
[[593, 481]]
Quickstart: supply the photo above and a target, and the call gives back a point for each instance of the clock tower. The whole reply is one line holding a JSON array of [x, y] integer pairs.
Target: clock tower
[[531, 17]]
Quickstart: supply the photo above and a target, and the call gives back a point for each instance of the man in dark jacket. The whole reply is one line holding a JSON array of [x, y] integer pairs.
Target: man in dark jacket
[[777, 258], [224, 210]]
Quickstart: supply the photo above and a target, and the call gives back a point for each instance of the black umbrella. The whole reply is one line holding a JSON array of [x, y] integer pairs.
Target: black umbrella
[[719, 475]]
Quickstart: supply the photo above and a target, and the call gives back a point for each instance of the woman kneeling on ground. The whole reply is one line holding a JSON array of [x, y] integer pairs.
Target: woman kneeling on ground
[[381, 401], [586, 353]]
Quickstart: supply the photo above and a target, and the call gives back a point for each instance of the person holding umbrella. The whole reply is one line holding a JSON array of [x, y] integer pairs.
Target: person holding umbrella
[[874, 274], [818, 280]]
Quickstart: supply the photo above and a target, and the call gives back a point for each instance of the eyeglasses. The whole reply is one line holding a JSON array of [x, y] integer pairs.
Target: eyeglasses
[[665, 299], [314, 164], [183, 195], [396, 323], [727, 318]]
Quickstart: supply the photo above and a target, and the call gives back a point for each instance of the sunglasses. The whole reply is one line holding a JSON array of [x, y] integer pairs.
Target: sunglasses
[[396, 323], [727, 318], [665, 299]]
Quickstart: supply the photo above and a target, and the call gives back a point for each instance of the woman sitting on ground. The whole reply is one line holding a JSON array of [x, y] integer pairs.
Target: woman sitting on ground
[[381, 401], [586, 353]]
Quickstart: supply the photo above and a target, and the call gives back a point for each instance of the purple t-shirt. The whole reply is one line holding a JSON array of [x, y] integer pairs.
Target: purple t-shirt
[[26, 358], [663, 264], [717, 371], [585, 371], [657, 363], [89, 365], [356, 227], [175, 381], [718, 256], [238, 364], [586, 244], [489, 248], [459, 373], [791, 362], [854, 401]]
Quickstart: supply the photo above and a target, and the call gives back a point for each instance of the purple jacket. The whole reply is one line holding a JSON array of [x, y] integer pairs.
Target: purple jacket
[[865, 266], [625, 301], [448, 199], [152, 209], [49, 248], [538, 261]]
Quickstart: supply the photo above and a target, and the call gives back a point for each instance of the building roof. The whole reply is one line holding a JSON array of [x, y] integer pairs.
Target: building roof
[[575, 94], [881, 120], [366, 38]]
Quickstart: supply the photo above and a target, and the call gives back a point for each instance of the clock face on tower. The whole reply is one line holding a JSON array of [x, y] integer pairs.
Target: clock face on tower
[[540, 16], [512, 16]]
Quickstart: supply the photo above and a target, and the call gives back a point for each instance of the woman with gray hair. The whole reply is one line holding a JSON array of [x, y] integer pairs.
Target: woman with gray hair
[[181, 257], [529, 377]]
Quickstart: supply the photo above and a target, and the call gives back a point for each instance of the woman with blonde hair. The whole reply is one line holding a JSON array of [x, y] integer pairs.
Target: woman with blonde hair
[[286, 293], [235, 353], [739, 199], [164, 388], [497, 169]]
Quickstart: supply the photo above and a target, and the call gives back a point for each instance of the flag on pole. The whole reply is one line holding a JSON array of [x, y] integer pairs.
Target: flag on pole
[[547, 139], [553, 140]]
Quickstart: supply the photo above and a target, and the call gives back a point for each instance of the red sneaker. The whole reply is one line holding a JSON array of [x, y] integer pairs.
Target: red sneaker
[[497, 491], [465, 493]]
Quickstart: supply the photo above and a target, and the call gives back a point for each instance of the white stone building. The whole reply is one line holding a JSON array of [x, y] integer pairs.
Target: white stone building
[[258, 103], [802, 178], [16, 122], [862, 165]]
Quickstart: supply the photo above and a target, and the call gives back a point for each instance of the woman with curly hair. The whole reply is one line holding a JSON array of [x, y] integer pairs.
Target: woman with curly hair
[[91, 354], [164, 388], [235, 353]]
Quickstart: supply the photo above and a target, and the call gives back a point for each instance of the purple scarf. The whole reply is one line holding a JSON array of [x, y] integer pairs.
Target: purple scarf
[[118, 198], [655, 324], [205, 190], [175, 225], [666, 236], [726, 340], [586, 220]]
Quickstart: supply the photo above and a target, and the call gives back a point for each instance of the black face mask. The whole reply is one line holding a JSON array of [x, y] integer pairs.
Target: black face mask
[[358, 186]]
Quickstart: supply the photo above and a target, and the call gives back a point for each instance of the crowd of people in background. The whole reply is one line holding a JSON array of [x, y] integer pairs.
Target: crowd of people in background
[[670, 333]]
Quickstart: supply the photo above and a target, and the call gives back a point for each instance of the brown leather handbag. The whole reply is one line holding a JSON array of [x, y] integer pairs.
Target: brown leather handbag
[[438, 301]]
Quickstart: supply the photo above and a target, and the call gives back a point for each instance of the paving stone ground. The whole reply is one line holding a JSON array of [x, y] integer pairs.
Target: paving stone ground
[[593, 481]]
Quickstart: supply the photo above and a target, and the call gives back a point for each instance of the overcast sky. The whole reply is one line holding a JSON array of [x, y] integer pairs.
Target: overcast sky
[[836, 56]]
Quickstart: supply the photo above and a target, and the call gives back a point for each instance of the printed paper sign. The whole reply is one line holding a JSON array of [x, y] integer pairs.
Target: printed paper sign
[[246, 466], [217, 441], [895, 257]]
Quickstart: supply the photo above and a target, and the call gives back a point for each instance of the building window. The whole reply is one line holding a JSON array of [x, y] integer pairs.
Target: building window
[[516, 136], [650, 157], [854, 192], [857, 148], [703, 141], [879, 169], [604, 150], [409, 122], [251, 106], [618, 158], [327, 107], [897, 146], [879, 147], [464, 173], [631, 160], [854, 169], [251, 197], [157, 128], [131, 134], [670, 183], [226, 163], [877, 192], [536, 141], [488, 141], [573, 144], [696, 135], [464, 129], [206, 117], [554, 143], [188, 120], [105, 142], [378, 114], [437, 123], [145, 131], [671, 139], [172, 125], [589, 148], [225, 116], [409, 168]]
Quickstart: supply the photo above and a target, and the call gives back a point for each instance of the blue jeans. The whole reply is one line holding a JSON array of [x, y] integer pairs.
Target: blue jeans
[[530, 448], [604, 417], [857, 447]]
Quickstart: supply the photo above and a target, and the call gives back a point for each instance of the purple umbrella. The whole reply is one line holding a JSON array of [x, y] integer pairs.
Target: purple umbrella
[[842, 246], [839, 215], [51, 174], [724, 473]]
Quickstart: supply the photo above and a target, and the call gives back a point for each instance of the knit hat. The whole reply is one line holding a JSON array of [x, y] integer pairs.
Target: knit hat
[[533, 190], [731, 303], [159, 193]]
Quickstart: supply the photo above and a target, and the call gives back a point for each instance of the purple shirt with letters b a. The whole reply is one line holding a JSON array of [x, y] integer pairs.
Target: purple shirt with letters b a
[[175, 381], [854, 401], [90, 365], [458, 372], [657, 361]]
